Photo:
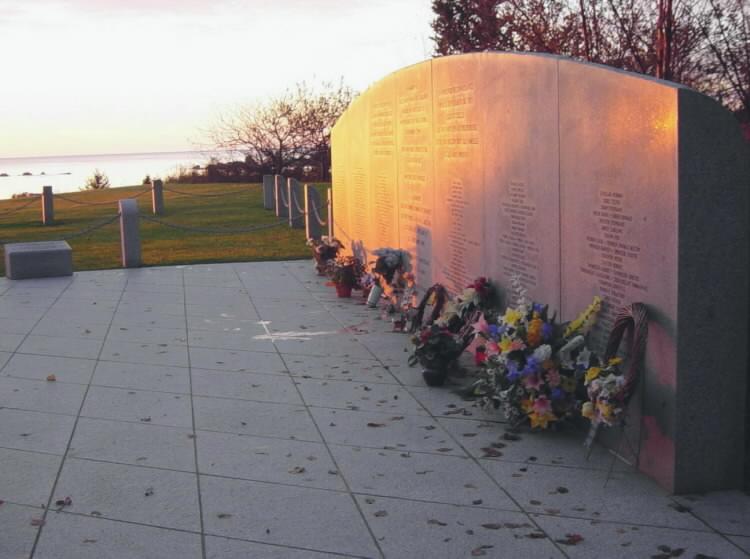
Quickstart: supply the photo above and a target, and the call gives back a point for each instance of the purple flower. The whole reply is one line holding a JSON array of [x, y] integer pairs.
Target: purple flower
[[493, 331], [532, 366], [557, 394], [546, 331], [538, 307], [513, 372]]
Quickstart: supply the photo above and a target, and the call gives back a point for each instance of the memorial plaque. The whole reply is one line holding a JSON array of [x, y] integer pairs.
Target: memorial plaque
[[339, 185], [521, 169], [582, 181], [458, 234], [383, 185], [415, 168]]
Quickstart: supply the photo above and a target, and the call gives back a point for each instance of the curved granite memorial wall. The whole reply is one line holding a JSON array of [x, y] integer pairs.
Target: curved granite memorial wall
[[583, 181]]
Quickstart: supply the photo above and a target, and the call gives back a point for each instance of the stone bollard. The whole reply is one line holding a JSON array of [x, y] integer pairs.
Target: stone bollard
[[313, 229], [293, 195], [157, 197], [329, 207], [48, 206], [278, 184], [130, 239], [268, 192]]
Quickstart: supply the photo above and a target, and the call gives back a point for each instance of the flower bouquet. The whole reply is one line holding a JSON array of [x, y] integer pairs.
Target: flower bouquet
[[345, 273], [533, 366], [324, 251]]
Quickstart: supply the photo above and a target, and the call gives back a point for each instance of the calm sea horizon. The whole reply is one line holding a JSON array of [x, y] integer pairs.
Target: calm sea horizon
[[68, 173]]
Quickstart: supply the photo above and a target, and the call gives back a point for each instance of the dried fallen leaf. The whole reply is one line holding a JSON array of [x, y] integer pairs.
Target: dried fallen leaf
[[380, 513], [66, 502], [490, 452], [149, 491], [36, 521], [571, 539], [436, 522], [373, 424], [481, 550], [146, 419], [492, 526], [536, 535], [297, 470], [89, 540], [444, 449], [95, 513], [51, 378], [224, 515]]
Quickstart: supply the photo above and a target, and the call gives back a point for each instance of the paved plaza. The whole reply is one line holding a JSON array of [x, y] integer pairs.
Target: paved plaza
[[242, 411]]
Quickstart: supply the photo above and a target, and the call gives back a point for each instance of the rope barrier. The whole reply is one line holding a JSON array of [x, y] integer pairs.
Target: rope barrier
[[204, 195], [317, 216], [25, 205], [98, 225], [296, 202], [284, 201], [80, 203], [217, 231]]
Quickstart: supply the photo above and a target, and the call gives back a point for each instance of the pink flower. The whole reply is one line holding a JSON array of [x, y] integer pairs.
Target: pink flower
[[481, 326], [517, 345], [542, 405], [553, 378], [532, 382]]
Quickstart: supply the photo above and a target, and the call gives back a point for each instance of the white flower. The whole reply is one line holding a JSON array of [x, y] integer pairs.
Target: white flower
[[542, 353]]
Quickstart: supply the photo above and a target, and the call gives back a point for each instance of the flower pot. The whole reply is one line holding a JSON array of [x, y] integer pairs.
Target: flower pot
[[434, 377], [343, 290]]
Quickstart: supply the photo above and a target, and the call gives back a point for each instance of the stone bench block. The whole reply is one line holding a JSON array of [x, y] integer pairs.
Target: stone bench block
[[38, 260]]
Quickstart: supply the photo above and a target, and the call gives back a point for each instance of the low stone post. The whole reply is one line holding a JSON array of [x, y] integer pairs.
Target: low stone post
[[48, 206], [293, 194], [157, 197], [268, 192], [130, 239], [278, 184], [313, 228], [329, 207]]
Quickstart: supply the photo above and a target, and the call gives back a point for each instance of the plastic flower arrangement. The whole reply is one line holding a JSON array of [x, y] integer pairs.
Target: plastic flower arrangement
[[532, 366], [607, 392], [481, 295], [345, 272], [435, 348], [389, 261]]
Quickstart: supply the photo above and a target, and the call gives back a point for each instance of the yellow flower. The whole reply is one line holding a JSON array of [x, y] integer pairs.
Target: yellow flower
[[505, 344], [534, 334], [527, 405], [592, 373], [614, 361], [605, 410], [541, 420], [588, 410], [586, 319], [512, 316]]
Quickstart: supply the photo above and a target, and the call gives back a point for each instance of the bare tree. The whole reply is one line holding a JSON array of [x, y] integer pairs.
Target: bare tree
[[97, 181], [288, 131]]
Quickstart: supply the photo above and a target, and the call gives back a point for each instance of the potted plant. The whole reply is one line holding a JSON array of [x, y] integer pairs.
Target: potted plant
[[345, 273], [436, 348]]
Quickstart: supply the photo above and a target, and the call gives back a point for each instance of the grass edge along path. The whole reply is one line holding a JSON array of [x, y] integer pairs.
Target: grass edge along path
[[215, 206]]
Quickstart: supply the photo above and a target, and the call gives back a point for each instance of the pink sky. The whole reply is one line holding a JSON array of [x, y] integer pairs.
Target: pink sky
[[109, 76]]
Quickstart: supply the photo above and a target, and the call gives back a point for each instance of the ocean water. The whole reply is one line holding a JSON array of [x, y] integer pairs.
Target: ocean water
[[69, 173]]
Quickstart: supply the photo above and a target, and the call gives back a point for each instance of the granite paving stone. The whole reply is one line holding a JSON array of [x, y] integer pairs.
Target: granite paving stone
[[344, 394], [615, 540], [419, 476], [245, 386], [338, 368], [146, 353], [163, 498], [725, 511], [149, 334], [39, 367], [406, 528], [225, 548], [236, 360], [41, 395], [70, 536], [18, 535], [138, 444], [267, 459], [298, 516], [60, 347], [158, 408], [163, 378], [33, 430], [27, 477], [254, 418]]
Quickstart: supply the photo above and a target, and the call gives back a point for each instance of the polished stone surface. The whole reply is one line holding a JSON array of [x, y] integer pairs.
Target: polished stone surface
[[173, 450]]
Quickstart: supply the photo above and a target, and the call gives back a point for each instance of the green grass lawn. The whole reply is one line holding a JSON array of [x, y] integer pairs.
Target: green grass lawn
[[161, 245]]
